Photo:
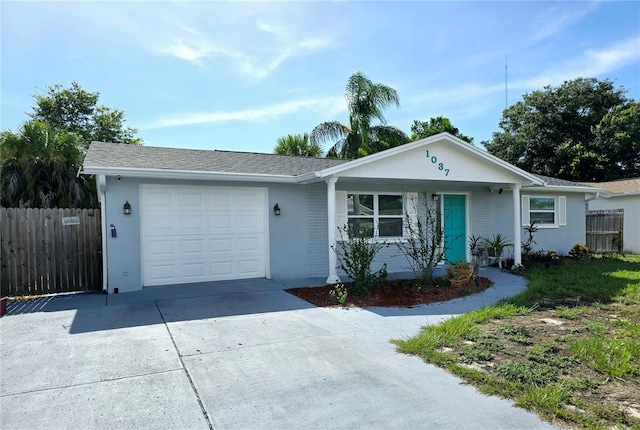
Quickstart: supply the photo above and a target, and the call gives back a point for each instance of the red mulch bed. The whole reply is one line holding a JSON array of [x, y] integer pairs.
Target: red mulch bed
[[391, 293]]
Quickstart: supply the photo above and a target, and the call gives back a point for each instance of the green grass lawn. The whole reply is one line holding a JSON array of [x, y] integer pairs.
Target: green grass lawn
[[567, 348]]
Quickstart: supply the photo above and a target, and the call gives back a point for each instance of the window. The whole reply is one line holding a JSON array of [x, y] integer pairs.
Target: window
[[542, 210], [381, 215], [545, 211]]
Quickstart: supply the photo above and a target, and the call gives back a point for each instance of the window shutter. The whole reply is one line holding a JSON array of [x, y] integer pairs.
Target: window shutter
[[525, 211], [341, 215], [410, 212], [562, 210]]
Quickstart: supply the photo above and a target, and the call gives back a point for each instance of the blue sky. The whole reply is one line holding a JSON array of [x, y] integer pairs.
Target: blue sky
[[236, 76]]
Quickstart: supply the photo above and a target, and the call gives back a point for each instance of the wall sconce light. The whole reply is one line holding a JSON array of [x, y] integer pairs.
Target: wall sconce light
[[435, 197], [127, 208], [276, 209]]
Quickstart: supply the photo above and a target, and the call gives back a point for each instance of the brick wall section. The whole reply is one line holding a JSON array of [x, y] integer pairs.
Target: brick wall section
[[317, 245], [479, 214]]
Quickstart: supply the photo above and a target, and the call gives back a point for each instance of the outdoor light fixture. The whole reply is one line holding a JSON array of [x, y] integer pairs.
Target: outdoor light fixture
[[435, 197], [276, 209], [127, 208]]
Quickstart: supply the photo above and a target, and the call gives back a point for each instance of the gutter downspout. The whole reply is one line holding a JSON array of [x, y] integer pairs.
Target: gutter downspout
[[102, 197], [595, 196]]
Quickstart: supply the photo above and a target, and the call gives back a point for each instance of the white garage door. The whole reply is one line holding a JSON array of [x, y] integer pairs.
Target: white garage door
[[197, 234]]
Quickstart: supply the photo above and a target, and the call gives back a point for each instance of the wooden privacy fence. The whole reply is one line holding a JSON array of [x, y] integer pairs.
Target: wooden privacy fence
[[49, 251], [605, 230]]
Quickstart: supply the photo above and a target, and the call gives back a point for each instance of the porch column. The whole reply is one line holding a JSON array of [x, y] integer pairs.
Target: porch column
[[331, 218], [517, 244]]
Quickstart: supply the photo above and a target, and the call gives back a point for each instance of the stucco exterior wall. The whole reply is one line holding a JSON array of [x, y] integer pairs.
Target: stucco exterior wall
[[297, 239], [123, 251], [561, 239], [631, 224]]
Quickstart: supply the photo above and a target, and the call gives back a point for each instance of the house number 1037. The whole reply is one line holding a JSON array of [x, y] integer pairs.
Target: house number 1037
[[434, 160]]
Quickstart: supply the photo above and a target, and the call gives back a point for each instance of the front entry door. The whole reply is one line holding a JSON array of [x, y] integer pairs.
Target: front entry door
[[455, 227]]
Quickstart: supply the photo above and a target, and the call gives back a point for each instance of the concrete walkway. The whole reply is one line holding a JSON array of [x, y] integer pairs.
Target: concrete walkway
[[234, 355]]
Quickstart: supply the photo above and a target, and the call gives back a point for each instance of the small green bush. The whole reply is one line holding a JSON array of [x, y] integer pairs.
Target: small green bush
[[356, 259], [579, 251], [339, 293]]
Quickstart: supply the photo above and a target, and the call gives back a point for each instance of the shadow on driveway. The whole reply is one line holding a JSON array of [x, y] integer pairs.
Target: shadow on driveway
[[157, 305]]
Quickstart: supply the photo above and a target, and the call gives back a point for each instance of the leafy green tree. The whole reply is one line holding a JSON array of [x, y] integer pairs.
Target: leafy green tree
[[440, 124], [298, 145], [366, 101], [76, 110], [39, 163], [39, 169], [619, 133], [553, 132]]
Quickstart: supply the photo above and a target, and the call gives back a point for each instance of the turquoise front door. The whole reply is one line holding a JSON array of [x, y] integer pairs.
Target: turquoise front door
[[455, 227]]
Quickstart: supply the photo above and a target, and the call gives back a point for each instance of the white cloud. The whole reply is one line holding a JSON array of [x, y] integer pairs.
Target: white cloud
[[328, 105], [182, 51], [592, 63], [556, 20], [468, 101], [253, 54]]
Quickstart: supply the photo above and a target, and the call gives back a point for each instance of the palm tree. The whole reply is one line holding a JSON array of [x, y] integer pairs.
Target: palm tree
[[366, 100], [39, 169], [297, 144]]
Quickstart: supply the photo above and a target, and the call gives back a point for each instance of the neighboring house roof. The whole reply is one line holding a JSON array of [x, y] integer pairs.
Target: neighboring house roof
[[117, 158], [620, 187]]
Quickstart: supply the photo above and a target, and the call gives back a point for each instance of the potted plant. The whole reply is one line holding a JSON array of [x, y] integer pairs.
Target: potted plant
[[460, 274], [495, 247]]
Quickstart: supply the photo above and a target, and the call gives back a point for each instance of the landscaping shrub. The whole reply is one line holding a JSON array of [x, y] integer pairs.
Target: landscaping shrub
[[356, 258]]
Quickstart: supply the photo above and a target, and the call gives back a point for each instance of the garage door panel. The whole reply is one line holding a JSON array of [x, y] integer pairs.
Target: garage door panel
[[159, 224], [249, 222], [220, 201], [192, 224], [220, 245], [248, 201], [249, 244], [192, 247], [220, 222], [222, 270], [249, 267], [161, 273], [159, 199], [162, 248], [191, 271], [190, 200], [197, 234]]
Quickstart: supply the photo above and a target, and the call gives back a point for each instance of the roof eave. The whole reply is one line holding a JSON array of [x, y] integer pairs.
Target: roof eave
[[567, 188], [528, 177], [186, 174]]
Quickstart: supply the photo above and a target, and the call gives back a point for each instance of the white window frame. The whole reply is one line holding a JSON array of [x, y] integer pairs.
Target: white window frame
[[376, 214], [559, 210]]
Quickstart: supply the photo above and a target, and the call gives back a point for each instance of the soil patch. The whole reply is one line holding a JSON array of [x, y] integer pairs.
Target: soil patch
[[391, 293]]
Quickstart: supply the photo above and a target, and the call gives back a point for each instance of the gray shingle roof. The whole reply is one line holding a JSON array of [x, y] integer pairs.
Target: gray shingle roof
[[117, 156], [560, 182], [631, 185]]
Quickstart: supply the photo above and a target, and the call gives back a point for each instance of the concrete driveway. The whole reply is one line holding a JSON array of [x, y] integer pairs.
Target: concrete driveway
[[235, 355]]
